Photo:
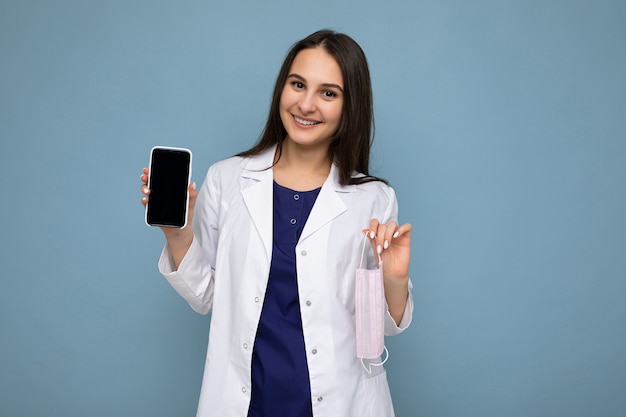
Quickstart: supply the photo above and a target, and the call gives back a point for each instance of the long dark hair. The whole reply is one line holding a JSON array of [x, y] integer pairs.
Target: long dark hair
[[350, 147]]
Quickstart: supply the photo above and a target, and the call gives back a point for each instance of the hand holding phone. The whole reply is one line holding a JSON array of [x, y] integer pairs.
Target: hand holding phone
[[168, 181]]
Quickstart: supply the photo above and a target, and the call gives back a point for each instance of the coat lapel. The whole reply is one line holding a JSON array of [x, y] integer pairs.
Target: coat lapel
[[328, 204], [257, 193]]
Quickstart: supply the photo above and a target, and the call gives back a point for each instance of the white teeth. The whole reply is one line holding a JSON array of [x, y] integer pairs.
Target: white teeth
[[304, 122]]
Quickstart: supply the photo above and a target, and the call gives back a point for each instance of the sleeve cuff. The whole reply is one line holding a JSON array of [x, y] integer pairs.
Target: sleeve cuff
[[391, 328]]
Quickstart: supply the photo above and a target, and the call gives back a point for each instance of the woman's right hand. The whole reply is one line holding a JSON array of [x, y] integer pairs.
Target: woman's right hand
[[178, 240]]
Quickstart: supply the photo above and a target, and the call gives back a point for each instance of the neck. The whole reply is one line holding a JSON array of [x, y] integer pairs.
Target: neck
[[301, 168]]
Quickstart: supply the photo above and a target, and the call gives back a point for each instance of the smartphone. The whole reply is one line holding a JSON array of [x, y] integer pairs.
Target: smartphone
[[168, 181]]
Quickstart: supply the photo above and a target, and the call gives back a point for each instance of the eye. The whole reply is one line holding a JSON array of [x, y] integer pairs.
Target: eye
[[329, 94], [297, 84]]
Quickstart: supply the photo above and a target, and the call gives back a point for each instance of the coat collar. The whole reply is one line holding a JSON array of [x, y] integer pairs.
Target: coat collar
[[258, 191], [259, 168]]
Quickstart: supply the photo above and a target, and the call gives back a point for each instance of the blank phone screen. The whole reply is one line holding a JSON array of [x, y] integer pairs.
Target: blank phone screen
[[169, 178]]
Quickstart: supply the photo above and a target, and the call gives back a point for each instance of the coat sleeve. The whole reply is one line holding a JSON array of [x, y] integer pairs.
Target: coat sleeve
[[194, 279]]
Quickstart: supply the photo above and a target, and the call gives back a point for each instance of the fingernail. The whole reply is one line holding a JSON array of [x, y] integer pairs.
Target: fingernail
[[396, 234], [372, 235], [379, 249], [386, 244], [193, 185], [145, 190], [144, 199]]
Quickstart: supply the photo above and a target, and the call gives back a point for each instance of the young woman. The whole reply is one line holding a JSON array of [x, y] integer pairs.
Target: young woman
[[276, 239]]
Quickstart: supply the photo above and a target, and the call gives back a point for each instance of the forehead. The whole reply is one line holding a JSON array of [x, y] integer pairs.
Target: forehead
[[317, 66]]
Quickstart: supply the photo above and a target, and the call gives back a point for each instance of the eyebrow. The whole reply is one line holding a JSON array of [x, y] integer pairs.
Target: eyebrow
[[327, 85]]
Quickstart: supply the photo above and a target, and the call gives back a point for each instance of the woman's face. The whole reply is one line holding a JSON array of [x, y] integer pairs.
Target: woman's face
[[312, 99]]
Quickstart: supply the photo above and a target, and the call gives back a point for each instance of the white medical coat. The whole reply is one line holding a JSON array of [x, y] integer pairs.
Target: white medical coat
[[226, 270]]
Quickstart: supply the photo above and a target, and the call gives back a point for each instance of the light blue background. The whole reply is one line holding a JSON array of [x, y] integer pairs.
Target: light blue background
[[501, 124]]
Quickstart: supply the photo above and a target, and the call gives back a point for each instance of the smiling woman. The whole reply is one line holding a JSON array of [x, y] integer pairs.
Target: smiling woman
[[311, 103], [310, 109], [351, 143], [288, 332]]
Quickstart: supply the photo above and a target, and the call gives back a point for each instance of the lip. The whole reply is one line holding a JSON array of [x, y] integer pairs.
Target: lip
[[308, 123]]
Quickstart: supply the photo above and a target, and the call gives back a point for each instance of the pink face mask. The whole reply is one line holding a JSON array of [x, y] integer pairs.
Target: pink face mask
[[370, 310]]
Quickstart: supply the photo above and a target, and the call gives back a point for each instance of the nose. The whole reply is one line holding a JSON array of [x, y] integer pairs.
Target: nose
[[307, 103]]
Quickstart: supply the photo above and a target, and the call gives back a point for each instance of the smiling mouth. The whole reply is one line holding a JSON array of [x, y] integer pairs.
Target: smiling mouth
[[305, 122]]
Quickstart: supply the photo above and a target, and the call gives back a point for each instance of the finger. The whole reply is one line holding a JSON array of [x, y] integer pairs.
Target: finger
[[146, 192], [144, 175], [390, 230], [376, 237], [373, 228], [404, 230], [372, 236], [381, 232]]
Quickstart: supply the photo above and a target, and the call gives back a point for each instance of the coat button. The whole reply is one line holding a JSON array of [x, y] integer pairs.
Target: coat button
[[314, 351], [308, 303], [296, 197], [244, 390], [256, 299], [245, 346], [320, 399], [292, 221], [303, 253]]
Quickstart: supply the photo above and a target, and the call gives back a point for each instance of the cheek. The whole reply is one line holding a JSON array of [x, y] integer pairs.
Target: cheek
[[283, 106], [286, 99], [335, 113]]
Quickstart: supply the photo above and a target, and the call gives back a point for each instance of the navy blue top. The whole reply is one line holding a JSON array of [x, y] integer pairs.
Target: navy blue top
[[280, 375]]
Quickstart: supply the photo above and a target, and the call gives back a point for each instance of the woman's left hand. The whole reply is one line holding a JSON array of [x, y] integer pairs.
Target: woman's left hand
[[393, 244]]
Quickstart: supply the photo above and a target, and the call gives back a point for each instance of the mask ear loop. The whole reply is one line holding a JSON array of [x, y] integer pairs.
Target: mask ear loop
[[380, 260], [363, 251], [369, 371]]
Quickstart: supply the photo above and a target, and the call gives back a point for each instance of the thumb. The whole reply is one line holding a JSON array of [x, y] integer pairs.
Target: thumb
[[193, 195]]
